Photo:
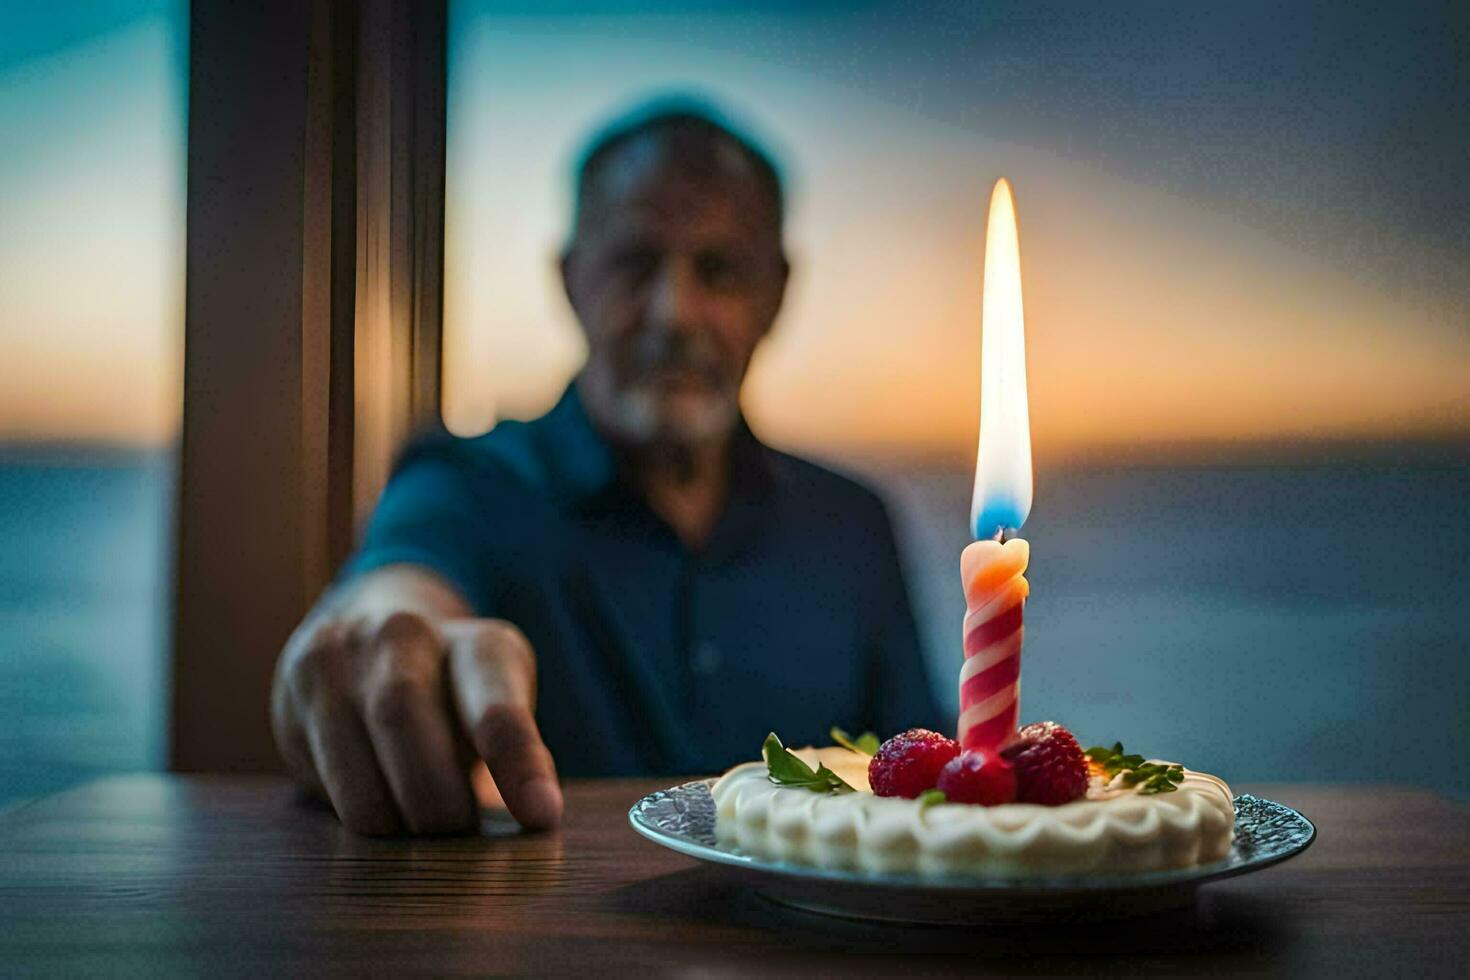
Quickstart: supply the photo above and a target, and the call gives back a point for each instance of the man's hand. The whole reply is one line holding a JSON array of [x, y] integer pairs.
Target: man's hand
[[382, 714]]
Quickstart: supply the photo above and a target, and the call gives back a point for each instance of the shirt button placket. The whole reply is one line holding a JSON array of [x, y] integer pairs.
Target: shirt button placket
[[705, 660], [704, 652]]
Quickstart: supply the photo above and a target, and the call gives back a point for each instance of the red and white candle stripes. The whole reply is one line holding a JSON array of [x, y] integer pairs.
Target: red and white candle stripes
[[990, 680]]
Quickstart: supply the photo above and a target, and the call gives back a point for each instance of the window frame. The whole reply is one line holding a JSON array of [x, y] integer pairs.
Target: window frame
[[313, 318]]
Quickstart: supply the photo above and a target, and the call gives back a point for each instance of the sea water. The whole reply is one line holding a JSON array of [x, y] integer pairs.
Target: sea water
[[1259, 622]]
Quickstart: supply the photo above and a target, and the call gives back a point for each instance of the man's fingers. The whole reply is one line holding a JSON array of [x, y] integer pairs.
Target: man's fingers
[[403, 707], [291, 740], [363, 715], [320, 733], [493, 674], [348, 769]]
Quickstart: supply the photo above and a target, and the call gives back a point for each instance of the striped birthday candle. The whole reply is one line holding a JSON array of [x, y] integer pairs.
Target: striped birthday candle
[[990, 680]]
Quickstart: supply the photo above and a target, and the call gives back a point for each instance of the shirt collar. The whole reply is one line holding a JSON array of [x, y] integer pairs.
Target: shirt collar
[[583, 466], [579, 461]]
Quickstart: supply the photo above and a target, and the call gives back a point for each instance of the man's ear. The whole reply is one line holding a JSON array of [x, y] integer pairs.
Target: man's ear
[[782, 276], [566, 262], [564, 268]]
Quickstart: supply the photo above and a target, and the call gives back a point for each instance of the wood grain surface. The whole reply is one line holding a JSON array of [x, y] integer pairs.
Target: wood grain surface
[[155, 875]]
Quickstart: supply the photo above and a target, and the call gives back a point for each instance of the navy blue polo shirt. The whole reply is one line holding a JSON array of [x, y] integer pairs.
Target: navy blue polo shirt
[[653, 658]]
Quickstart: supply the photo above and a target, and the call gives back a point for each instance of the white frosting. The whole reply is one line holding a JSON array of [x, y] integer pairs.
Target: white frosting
[[1112, 829]]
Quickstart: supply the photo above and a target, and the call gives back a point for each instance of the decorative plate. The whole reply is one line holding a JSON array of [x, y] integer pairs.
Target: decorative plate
[[682, 818]]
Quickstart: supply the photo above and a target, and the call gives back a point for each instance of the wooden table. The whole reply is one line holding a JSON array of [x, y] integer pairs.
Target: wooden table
[[152, 875]]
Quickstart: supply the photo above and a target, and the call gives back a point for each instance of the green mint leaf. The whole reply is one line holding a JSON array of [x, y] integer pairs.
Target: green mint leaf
[[1166, 781], [784, 766], [1132, 770], [785, 769], [831, 781], [865, 744], [930, 797]]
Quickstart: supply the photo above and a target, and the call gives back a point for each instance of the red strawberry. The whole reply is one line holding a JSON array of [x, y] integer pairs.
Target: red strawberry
[[1051, 767], [974, 777], [909, 763]]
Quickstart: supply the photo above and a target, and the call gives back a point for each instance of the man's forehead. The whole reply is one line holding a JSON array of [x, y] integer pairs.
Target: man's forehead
[[649, 181]]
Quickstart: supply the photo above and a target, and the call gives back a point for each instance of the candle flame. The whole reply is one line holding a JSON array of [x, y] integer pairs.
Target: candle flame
[[1003, 462]]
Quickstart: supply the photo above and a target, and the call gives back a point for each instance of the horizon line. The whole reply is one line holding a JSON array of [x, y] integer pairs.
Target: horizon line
[[1440, 446]]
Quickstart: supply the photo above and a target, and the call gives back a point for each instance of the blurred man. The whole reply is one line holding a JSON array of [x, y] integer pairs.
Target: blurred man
[[631, 584]]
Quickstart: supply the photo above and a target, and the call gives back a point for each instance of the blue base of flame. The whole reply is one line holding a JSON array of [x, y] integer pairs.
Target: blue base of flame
[[998, 515]]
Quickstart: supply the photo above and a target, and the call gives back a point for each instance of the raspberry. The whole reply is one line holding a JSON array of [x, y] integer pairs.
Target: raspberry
[[1051, 768], [974, 777], [909, 763]]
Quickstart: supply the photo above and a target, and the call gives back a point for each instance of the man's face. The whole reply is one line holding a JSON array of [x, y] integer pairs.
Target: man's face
[[676, 273]]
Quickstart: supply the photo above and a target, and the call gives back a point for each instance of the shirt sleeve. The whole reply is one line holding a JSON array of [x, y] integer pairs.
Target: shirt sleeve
[[902, 690], [427, 516]]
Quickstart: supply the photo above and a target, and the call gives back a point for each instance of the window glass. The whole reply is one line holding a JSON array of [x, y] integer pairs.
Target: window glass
[[92, 112]]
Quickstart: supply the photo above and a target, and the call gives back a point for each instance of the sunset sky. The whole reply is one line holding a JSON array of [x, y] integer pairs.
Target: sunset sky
[[92, 119], [1228, 232]]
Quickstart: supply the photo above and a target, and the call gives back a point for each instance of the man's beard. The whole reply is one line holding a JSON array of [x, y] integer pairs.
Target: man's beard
[[640, 409], [642, 420]]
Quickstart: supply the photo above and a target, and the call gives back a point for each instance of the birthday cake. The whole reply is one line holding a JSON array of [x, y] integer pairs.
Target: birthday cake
[[1112, 827], [997, 801]]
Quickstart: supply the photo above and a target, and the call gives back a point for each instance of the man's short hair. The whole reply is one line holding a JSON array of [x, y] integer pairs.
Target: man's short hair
[[690, 127]]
